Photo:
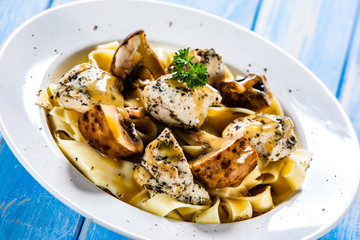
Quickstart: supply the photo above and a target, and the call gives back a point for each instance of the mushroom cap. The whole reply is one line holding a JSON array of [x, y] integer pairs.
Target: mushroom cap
[[133, 53], [110, 132], [226, 167], [251, 92]]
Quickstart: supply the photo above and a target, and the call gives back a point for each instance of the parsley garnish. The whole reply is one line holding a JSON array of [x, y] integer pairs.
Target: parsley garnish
[[193, 74]]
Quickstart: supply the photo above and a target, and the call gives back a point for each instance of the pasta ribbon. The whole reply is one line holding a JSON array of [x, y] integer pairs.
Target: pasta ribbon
[[236, 209], [115, 176], [294, 169], [146, 129], [134, 98], [101, 58], [162, 205], [194, 151], [262, 202], [275, 108], [211, 215], [63, 120], [219, 117]]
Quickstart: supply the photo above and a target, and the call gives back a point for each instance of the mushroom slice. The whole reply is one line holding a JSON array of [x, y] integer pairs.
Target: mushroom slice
[[164, 169], [136, 111], [110, 132], [213, 63], [202, 138], [272, 136], [226, 167], [251, 92], [133, 53]]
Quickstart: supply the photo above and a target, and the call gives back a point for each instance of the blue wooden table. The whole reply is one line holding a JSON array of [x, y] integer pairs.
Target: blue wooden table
[[322, 34]]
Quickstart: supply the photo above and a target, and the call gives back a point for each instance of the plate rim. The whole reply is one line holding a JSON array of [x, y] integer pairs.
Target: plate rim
[[17, 152]]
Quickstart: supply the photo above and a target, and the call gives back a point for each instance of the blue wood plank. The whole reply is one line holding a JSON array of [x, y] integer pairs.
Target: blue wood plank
[[91, 230], [27, 210], [55, 3], [15, 12], [316, 32], [238, 11]]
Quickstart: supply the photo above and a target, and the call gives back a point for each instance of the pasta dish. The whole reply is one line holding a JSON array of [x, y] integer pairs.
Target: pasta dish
[[175, 132]]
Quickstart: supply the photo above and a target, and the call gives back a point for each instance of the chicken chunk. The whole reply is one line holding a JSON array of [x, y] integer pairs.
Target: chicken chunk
[[173, 103], [164, 169], [84, 86], [272, 136], [251, 92], [226, 167], [213, 63]]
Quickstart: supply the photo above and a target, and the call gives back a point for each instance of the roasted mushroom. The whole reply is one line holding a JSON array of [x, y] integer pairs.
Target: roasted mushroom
[[110, 132], [226, 167], [201, 138], [135, 53], [250, 92], [272, 136], [213, 63], [164, 169], [135, 112]]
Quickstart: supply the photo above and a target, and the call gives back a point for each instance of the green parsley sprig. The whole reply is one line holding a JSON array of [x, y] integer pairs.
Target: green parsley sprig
[[193, 74]]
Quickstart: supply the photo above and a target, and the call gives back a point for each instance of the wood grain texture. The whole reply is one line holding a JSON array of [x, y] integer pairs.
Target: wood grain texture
[[92, 230], [56, 3], [241, 12], [317, 32], [27, 210], [15, 12], [350, 95]]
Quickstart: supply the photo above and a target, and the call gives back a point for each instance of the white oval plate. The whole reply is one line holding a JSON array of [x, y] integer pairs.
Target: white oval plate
[[32, 56]]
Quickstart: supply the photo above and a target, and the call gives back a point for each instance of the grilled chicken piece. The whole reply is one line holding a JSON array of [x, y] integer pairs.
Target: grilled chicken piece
[[213, 63], [134, 53], [173, 103], [110, 132], [164, 169], [226, 167], [84, 86], [251, 92], [272, 136]]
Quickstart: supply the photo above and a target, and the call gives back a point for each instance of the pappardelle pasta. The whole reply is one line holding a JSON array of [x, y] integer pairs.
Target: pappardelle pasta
[[175, 133]]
